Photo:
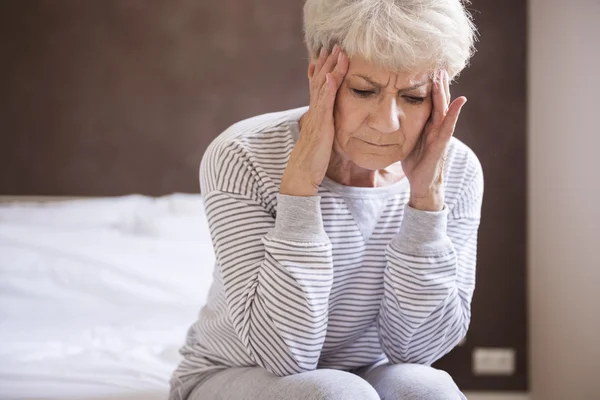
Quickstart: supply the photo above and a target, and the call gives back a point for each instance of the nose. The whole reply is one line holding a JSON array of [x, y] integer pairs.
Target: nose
[[385, 117]]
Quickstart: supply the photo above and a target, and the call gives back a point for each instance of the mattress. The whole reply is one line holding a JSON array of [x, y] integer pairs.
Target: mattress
[[97, 294]]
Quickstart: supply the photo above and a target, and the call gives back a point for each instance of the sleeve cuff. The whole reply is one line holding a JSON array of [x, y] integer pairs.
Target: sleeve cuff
[[423, 232], [299, 219]]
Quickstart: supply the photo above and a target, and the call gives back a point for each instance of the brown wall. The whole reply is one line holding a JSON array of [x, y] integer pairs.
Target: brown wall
[[106, 97]]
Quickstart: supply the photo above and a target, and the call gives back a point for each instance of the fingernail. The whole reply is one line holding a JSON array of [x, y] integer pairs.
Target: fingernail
[[336, 49], [323, 51], [339, 57]]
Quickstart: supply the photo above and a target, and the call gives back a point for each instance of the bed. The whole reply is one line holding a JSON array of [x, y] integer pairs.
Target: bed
[[97, 294]]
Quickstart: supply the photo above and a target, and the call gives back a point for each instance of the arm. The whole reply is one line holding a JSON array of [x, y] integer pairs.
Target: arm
[[430, 279], [276, 273]]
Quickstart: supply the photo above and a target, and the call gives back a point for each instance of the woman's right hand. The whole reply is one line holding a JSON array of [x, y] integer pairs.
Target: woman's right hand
[[309, 159]]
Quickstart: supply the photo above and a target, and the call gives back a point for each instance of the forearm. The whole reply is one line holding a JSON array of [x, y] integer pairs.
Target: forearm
[[277, 285], [423, 314]]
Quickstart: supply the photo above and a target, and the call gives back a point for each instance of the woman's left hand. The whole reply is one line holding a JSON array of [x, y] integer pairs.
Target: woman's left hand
[[424, 166]]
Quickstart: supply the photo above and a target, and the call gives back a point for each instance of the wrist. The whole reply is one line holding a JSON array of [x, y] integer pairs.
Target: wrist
[[433, 201], [292, 185]]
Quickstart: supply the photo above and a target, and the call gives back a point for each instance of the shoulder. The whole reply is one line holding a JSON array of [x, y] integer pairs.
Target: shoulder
[[462, 161], [464, 174], [237, 146]]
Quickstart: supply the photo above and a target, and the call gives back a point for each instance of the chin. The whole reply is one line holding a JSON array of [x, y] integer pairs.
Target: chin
[[372, 162]]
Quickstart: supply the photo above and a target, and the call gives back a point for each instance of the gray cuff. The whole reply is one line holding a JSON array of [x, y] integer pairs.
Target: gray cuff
[[299, 219], [423, 232]]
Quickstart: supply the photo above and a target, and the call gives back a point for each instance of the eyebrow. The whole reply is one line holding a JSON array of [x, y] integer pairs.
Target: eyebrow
[[380, 85]]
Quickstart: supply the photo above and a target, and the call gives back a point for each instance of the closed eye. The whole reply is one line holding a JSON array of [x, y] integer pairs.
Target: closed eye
[[414, 99], [369, 93], [363, 93]]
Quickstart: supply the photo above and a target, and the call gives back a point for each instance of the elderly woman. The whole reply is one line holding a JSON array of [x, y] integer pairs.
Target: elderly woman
[[345, 232]]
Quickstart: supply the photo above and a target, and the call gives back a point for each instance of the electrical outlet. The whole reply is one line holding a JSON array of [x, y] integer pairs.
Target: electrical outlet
[[493, 361]]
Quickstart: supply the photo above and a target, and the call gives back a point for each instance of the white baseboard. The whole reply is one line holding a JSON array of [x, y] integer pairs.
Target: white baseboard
[[497, 396]]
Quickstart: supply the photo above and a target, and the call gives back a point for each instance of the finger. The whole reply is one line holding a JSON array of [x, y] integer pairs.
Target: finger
[[316, 66], [447, 87], [447, 129], [328, 65], [326, 99], [443, 89], [311, 70], [439, 101], [333, 80], [316, 81], [341, 68], [320, 60]]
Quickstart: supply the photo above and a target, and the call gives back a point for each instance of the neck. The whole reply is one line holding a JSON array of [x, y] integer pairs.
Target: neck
[[347, 173]]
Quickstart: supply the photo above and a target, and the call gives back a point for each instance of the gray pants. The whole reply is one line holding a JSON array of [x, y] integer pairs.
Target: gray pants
[[384, 382]]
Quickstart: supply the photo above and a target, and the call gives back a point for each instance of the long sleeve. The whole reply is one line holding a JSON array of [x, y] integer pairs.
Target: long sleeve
[[430, 278], [276, 272]]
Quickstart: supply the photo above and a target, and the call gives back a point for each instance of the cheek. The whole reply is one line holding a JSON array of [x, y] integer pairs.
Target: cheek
[[349, 114], [415, 119]]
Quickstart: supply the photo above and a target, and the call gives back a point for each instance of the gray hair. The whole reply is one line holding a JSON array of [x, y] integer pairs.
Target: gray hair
[[395, 34]]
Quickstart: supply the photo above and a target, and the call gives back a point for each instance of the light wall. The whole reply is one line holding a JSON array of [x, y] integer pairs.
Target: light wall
[[564, 199]]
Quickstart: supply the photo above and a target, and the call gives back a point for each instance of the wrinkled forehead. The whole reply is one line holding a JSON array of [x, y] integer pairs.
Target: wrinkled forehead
[[359, 66]]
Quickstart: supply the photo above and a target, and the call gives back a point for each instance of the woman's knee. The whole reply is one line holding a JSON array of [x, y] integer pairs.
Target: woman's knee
[[328, 384], [413, 382]]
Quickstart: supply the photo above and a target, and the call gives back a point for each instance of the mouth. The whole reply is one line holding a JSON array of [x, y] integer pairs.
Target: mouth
[[377, 145]]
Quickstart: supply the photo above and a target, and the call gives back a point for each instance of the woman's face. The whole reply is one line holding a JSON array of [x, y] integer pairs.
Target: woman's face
[[380, 114]]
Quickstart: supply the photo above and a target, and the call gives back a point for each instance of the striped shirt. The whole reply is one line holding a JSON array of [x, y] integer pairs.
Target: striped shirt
[[298, 285]]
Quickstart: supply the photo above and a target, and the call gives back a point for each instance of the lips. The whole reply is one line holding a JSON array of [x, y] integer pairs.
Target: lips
[[377, 145]]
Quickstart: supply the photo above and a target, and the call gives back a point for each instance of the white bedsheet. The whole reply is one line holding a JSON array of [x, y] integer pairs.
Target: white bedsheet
[[96, 295]]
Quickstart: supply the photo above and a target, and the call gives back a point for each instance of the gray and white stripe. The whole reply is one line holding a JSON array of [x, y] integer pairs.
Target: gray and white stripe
[[296, 285]]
